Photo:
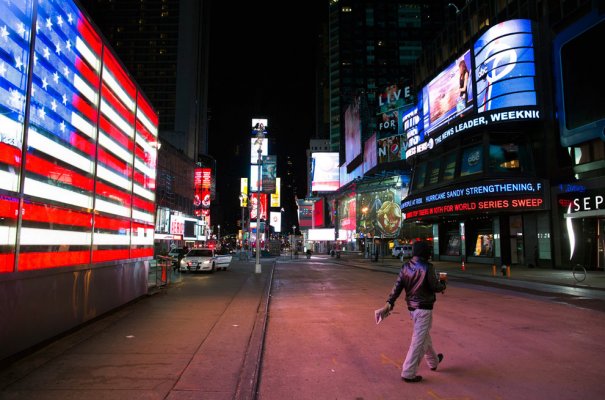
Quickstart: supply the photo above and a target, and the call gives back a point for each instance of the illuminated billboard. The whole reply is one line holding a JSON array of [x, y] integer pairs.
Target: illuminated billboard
[[449, 95], [264, 146], [391, 149], [91, 145], [311, 213], [347, 212], [504, 66], [500, 89], [255, 184], [275, 221], [379, 213], [243, 188], [393, 97], [276, 196], [352, 131], [369, 154], [325, 175], [388, 123], [269, 174], [202, 183], [254, 205], [511, 194], [259, 124]]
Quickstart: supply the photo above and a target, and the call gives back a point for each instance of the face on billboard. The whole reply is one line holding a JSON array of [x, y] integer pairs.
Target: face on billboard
[[449, 95], [504, 66], [259, 125]]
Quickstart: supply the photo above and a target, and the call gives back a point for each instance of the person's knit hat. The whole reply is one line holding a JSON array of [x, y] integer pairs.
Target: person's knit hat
[[421, 249]]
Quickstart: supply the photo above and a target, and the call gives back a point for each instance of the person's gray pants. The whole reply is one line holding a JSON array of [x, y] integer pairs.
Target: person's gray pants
[[421, 344]]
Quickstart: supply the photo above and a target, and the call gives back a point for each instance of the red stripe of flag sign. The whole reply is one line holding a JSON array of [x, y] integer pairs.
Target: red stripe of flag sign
[[76, 83]]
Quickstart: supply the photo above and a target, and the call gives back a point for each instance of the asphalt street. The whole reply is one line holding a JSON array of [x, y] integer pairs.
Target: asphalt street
[[304, 329]]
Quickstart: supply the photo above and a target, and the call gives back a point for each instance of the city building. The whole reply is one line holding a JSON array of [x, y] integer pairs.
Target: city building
[[373, 44], [164, 45], [502, 178], [371, 50], [496, 152]]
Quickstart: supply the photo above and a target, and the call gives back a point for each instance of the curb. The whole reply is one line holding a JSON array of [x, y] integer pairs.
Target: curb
[[247, 386]]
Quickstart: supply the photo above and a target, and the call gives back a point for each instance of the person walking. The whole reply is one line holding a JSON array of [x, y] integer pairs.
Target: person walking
[[417, 276]]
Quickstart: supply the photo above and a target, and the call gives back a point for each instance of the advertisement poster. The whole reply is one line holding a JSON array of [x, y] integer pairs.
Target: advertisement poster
[[254, 206], [391, 149], [202, 180], [388, 124], [269, 174], [347, 212], [352, 131], [325, 175], [379, 213]]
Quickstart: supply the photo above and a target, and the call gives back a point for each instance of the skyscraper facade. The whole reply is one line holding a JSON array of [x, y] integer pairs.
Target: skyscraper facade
[[164, 44], [373, 44]]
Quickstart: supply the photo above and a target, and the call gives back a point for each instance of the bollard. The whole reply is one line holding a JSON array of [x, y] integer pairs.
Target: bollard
[[508, 271], [493, 269], [503, 269], [462, 267]]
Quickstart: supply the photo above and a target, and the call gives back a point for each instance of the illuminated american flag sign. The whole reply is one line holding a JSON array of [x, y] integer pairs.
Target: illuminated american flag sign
[[89, 177]]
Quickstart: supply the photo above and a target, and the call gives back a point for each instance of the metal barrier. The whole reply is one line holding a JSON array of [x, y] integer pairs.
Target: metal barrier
[[162, 271]]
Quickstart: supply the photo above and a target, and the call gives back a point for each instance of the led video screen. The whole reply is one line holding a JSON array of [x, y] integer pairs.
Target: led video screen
[[449, 95], [504, 66], [325, 175], [254, 149], [352, 131]]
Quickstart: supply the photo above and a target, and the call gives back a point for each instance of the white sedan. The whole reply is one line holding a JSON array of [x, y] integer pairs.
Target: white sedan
[[204, 259]]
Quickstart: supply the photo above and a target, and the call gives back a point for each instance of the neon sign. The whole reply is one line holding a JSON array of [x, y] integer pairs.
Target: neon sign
[[526, 203], [474, 190]]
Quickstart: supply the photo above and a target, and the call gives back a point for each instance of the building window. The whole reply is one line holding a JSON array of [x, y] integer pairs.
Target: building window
[[449, 166], [472, 161], [434, 167], [420, 176], [504, 158]]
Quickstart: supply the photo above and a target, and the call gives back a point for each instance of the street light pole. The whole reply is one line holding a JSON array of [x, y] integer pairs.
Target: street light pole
[[242, 223], [292, 241], [259, 143]]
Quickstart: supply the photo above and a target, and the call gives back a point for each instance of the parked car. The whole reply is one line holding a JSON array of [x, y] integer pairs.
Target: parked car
[[204, 259], [402, 251]]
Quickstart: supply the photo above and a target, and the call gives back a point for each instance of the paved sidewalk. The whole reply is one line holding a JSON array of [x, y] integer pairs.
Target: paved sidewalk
[[473, 271], [196, 339]]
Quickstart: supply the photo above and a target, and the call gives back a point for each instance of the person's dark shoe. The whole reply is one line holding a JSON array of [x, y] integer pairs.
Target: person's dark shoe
[[440, 357], [415, 379]]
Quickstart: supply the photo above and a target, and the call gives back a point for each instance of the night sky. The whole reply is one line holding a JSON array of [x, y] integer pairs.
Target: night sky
[[253, 73]]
